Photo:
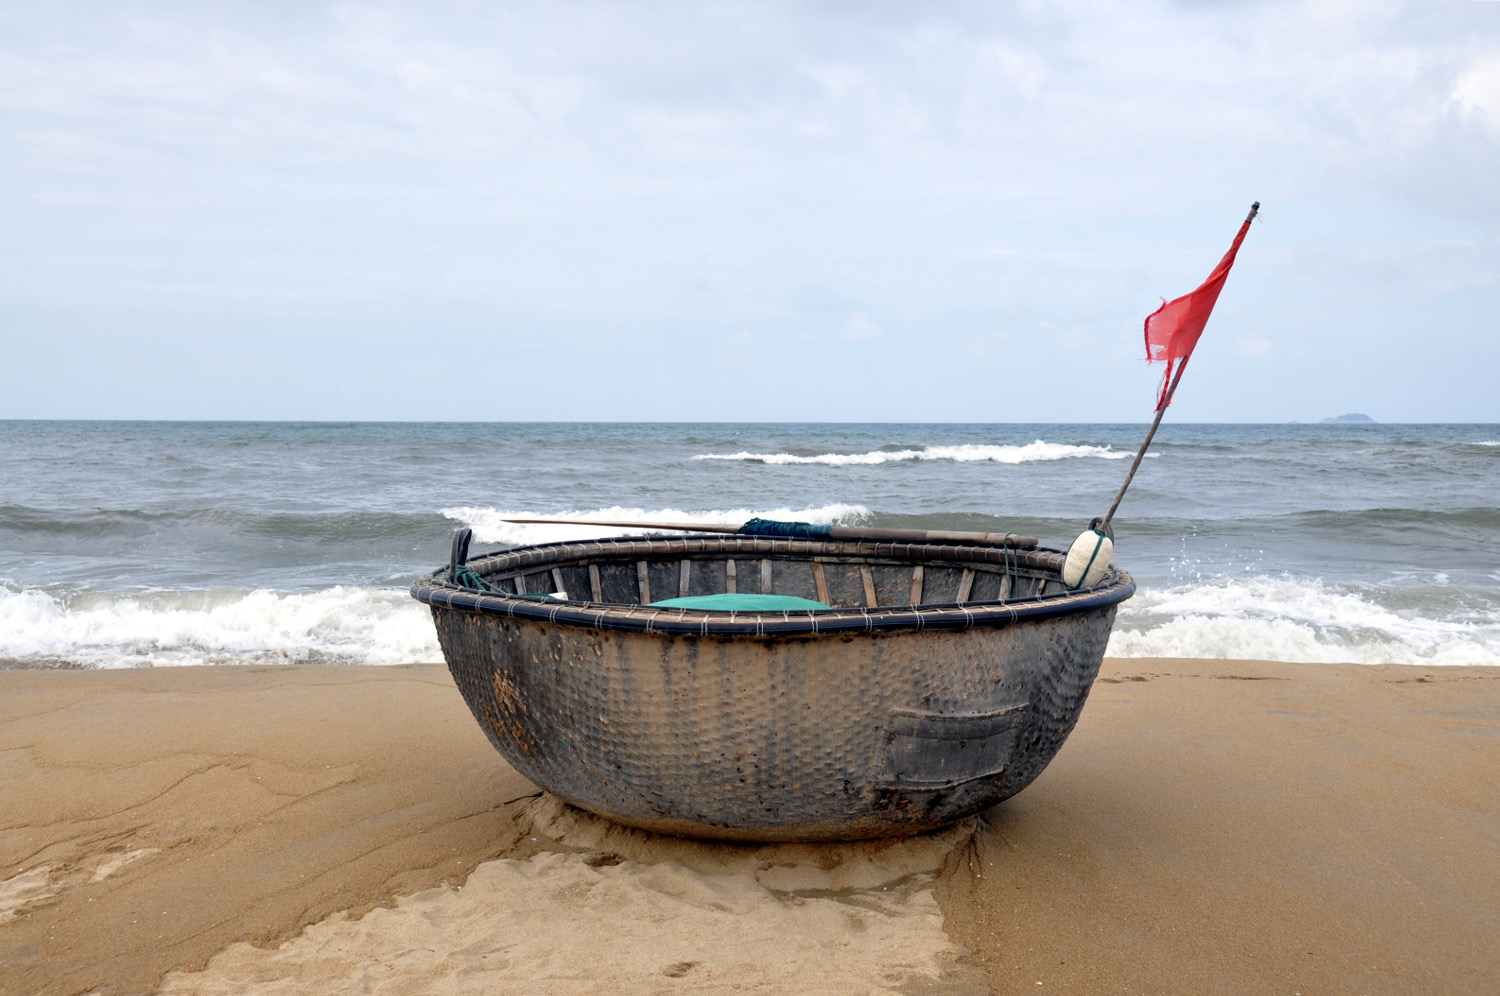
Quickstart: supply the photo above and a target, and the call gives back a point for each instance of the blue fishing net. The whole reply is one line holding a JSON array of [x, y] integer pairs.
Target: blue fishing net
[[796, 530]]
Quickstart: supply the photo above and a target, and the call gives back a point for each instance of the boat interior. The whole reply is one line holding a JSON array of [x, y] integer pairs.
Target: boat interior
[[836, 581]]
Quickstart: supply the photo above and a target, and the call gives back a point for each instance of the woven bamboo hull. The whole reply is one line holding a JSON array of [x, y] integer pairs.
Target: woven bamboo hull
[[909, 722]]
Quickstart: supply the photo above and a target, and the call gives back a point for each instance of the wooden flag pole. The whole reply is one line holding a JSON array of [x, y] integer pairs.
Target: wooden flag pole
[[1141, 453], [1155, 423]]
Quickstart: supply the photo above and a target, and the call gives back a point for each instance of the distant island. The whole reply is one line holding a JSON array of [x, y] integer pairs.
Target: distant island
[[1351, 417]]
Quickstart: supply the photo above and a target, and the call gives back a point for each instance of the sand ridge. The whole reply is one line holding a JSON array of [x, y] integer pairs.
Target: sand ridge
[[605, 909]]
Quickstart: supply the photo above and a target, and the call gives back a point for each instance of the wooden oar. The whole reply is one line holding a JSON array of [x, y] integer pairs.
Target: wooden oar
[[850, 533]]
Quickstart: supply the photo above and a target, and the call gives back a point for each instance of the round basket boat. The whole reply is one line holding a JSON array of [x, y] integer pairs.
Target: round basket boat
[[942, 680]]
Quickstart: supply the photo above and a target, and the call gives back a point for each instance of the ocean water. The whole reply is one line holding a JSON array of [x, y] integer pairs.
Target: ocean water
[[138, 543]]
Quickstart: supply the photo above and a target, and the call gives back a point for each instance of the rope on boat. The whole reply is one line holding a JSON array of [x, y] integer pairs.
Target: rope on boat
[[459, 571], [461, 574], [465, 577]]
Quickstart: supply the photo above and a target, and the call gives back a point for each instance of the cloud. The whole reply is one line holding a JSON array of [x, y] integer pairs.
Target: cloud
[[1255, 348], [1077, 339], [860, 328], [534, 173], [1478, 92]]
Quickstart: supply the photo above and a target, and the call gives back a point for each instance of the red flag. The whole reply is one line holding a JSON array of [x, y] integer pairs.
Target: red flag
[[1173, 329]]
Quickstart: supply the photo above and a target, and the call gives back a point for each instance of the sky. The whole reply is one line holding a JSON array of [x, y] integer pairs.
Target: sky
[[745, 211]]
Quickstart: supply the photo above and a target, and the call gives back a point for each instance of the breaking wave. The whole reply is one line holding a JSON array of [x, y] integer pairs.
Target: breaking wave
[[489, 524], [335, 626], [1264, 618], [967, 453], [1292, 619]]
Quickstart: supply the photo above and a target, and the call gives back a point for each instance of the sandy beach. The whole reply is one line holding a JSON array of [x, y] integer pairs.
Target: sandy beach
[[1211, 826], [774, 411]]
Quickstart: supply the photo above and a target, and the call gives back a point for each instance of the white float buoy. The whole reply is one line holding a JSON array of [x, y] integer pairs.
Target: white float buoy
[[1088, 558]]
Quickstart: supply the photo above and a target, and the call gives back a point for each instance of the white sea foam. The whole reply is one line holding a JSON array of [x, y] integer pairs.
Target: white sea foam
[[339, 625], [1267, 618], [967, 453], [489, 524], [1291, 619]]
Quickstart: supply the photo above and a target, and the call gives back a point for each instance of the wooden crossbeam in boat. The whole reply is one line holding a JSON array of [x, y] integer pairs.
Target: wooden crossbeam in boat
[[643, 580], [868, 577], [965, 585], [557, 582], [730, 581], [596, 589], [916, 585], [521, 583], [848, 534], [821, 581], [765, 577], [683, 580]]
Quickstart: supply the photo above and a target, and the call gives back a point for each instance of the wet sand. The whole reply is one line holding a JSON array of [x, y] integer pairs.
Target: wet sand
[[1211, 826]]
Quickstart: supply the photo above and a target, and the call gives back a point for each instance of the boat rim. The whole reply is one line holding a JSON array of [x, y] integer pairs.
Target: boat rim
[[436, 590]]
